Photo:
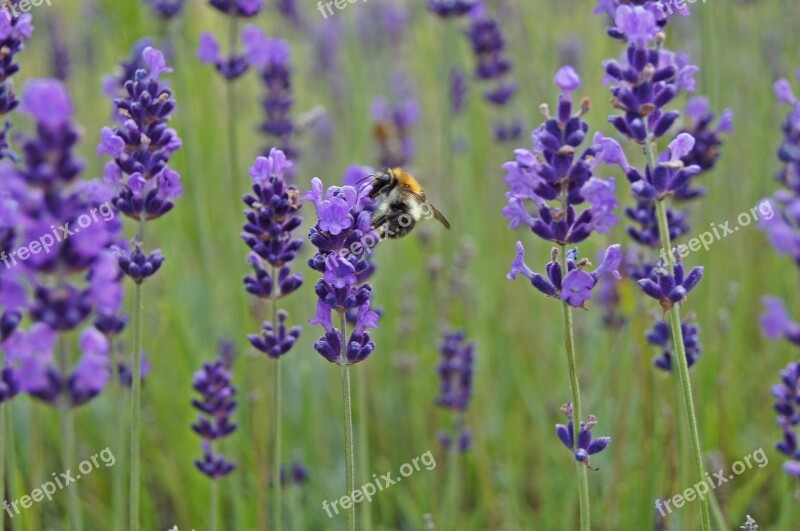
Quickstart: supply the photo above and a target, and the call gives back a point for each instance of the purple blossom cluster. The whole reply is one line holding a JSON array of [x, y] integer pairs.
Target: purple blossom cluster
[[68, 272], [14, 31], [554, 172], [783, 231], [232, 66], [586, 444], [643, 83], [455, 390], [661, 336], [272, 216], [271, 58], [235, 64], [787, 405], [342, 235], [216, 405], [141, 145], [492, 65], [295, 474], [166, 9]]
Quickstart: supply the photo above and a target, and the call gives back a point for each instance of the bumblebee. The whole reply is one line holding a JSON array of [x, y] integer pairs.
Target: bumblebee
[[400, 203]]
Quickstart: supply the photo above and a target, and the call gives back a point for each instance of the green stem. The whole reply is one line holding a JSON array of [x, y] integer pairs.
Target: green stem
[[277, 487], [453, 472], [214, 505], [231, 95], [569, 343], [677, 340], [363, 443], [118, 397], [348, 423], [68, 438], [136, 392]]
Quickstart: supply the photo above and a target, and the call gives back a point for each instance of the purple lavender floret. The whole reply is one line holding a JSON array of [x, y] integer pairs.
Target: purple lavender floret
[[455, 388], [776, 323], [574, 288], [238, 8], [14, 31], [787, 402], [140, 266], [67, 275], [455, 371], [670, 289], [114, 84], [297, 474], [230, 67], [586, 445], [661, 336], [271, 58], [452, 8], [141, 146], [646, 234], [343, 235], [271, 218], [647, 78], [661, 10], [166, 9], [553, 169], [708, 141], [216, 405], [782, 229]]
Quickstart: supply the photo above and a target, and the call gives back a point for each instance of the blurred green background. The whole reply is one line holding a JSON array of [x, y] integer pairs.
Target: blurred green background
[[517, 474]]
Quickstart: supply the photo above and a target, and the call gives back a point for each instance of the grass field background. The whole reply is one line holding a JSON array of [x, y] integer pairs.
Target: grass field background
[[517, 474]]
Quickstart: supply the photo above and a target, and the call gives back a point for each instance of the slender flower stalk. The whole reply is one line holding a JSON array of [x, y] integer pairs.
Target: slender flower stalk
[[216, 405], [234, 65], [555, 179], [271, 219], [343, 236], [144, 188], [643, 83]]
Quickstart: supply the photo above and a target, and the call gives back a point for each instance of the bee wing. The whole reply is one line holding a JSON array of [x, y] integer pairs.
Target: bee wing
[[438, 216]]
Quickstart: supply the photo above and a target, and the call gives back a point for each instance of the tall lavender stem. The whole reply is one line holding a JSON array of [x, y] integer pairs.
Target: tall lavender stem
[[276, 478], [231, 93], [136, 391], [677, 341], [214, 505], [569, 344], [68, 438], [348, 423]]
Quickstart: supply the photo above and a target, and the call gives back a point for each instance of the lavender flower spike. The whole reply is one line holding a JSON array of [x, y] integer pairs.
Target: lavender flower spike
[[586, 444], [271, 219], [216, 406]]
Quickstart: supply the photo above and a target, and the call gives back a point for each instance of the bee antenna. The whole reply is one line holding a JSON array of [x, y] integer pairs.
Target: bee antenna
[[361, 180]]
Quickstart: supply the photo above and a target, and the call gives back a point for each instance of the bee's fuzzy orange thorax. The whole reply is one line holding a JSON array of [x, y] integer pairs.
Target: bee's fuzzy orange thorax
[[407, 180]]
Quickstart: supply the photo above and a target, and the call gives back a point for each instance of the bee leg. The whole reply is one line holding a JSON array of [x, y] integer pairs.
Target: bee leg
[[398, 223], [379, 221]]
